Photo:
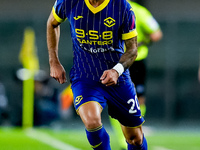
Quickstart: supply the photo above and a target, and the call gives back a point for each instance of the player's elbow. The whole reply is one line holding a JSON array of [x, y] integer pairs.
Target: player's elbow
[[134, 54]]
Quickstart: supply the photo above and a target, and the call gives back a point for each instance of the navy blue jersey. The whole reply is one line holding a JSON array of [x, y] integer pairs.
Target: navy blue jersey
[[98, 34]]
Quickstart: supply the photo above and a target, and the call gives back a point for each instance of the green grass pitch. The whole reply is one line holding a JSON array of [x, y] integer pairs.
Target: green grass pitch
[[18, 139]]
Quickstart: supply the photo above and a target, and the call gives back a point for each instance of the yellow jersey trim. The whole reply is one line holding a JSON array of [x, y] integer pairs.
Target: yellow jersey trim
[[86, 103], [129, 35], [95, 146], [98, 8], [60, 20]]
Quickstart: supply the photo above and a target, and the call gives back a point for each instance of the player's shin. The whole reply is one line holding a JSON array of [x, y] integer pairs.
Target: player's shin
[[98, 138], [143, 146]]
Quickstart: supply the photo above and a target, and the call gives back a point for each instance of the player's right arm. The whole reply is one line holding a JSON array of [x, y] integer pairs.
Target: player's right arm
[[53, 34]]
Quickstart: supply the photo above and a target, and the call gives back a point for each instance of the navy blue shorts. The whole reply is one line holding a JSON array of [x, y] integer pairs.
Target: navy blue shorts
[[121, 100]]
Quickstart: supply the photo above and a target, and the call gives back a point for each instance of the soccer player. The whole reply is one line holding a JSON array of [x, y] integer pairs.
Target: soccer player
[[100, 75], [148, 31]]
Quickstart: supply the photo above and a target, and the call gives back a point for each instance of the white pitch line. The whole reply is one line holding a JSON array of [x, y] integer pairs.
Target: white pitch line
[[47, 139], [160, 148]]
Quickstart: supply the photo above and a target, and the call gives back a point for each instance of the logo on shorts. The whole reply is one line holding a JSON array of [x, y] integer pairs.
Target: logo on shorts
[[109, 22], [78, 99]]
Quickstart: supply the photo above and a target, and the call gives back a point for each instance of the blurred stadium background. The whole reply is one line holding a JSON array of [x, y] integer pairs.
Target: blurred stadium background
[[172, 84]]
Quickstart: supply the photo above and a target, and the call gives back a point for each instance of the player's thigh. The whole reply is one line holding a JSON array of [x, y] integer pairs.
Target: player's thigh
[[90, 114], [87, 91], [88, 102]]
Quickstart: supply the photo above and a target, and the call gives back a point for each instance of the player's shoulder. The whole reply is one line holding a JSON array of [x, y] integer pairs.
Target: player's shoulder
[[123, 4]]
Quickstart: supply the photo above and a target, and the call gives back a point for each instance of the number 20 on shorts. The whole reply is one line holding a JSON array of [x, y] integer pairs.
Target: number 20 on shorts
[[133, 103]]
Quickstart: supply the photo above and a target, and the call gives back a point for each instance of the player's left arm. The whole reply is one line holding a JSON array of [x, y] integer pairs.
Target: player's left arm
[[111, 76], [130, 55], [129, 35]]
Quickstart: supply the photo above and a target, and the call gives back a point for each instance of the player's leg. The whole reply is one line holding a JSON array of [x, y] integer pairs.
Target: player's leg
[[90, 114], [89, 108], [135, 138], [125, 108]]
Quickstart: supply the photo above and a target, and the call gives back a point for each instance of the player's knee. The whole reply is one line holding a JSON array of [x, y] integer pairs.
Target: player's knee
[[135, 140], [93, 123]]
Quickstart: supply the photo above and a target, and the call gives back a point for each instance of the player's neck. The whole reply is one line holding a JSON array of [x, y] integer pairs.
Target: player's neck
[[96, 3]]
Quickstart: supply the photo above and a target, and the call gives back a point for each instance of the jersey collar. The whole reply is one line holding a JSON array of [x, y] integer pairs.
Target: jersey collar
[[96, 9]]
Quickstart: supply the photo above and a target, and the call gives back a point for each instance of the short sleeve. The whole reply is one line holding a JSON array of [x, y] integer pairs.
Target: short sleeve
[[129, 29], [59, 11]]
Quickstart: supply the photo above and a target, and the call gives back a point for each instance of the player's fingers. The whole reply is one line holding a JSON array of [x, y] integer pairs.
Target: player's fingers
[[60, 79], [63, 79], [111, 82], [103, 76], [105, 80], [53, 76], [108, 80]]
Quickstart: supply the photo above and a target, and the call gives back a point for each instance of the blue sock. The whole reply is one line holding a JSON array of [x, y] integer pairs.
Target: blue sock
[[140, 147], [98, 138]]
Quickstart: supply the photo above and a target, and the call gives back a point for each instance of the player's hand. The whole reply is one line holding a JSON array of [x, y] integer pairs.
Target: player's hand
[[57, 72], [109, 77]]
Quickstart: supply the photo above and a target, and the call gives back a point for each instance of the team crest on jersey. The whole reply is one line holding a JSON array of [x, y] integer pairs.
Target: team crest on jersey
[[78, 17], [78, 99], [109, 22]]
